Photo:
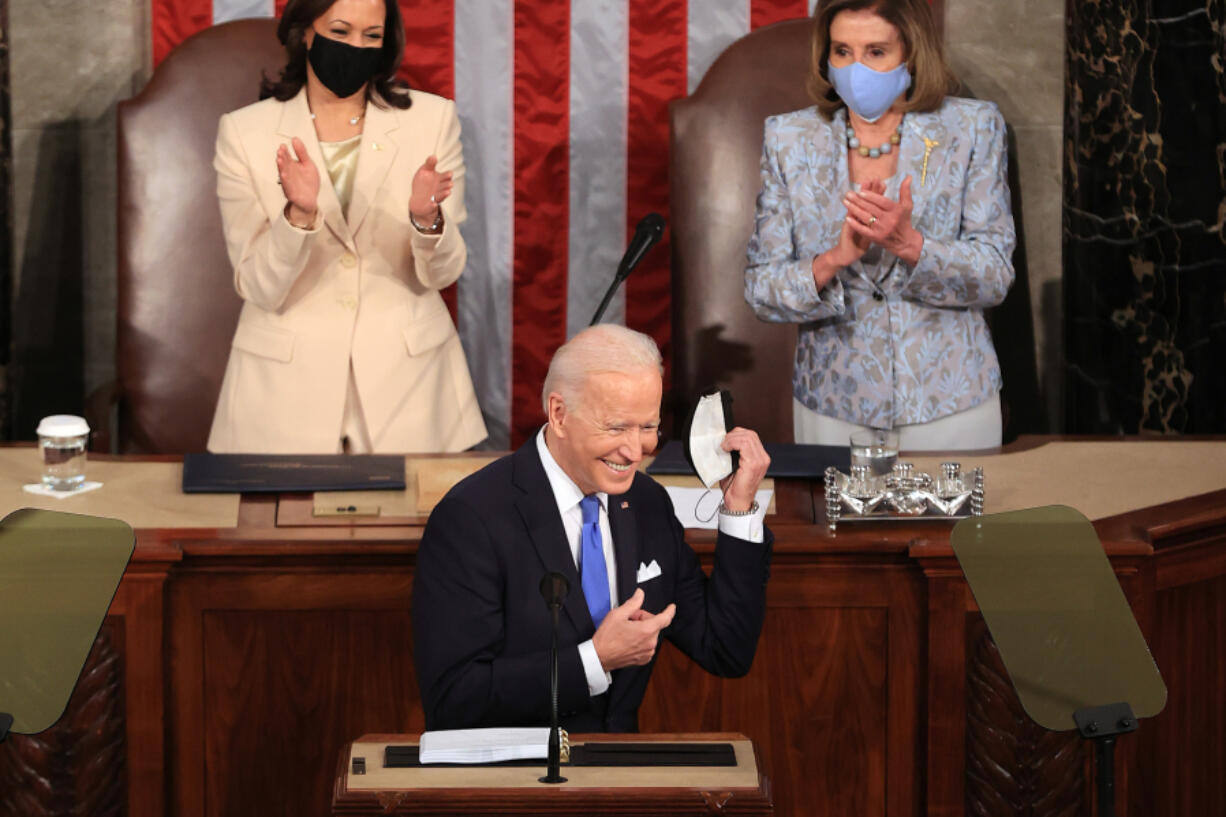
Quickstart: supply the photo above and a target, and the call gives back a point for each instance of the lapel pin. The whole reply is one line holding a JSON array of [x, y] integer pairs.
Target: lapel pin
[[625, 506], [376, 146]]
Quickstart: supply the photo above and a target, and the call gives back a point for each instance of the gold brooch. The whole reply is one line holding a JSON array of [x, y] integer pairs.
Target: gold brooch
[[929, 144]]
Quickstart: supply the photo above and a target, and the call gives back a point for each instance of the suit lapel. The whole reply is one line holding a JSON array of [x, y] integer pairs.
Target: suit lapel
[[826, 157], [296, 122], [378, 151], [923, 134], [539, 512], [624, 528]]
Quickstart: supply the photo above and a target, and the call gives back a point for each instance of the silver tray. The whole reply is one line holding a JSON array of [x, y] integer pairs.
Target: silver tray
[[902, 494]]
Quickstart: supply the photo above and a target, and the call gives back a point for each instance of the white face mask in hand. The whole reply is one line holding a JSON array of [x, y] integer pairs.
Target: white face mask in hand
[[708, 425]]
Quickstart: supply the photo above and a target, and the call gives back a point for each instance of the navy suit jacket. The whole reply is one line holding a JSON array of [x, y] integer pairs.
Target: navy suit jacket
[[482, 630]]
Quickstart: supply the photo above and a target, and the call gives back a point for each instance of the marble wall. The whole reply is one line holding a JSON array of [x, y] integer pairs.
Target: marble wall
[[6, 216], [71, 62], [1144, 206], [1012, 54]]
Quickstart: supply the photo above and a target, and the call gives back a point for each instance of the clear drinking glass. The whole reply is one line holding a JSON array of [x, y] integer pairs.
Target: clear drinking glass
[[62, 439], [876, 448]]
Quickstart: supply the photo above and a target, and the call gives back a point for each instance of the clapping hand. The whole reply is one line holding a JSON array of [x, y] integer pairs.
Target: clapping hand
[[299, 181], [851, 246], [886, 222], [430, 188]]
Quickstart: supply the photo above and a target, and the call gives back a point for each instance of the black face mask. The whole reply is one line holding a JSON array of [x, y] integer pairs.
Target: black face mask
[[342, 68]]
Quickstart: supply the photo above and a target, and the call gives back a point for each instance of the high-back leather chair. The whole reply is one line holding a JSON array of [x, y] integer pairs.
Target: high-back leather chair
[[714, 182], [177, 307]]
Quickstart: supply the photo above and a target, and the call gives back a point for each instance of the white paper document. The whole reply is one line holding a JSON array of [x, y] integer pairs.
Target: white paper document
[[699, 507], [484, 745]]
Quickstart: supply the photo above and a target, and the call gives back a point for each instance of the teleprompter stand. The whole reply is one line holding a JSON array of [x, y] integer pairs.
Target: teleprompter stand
[[1073, 650], [58, 575], [1103, 724]]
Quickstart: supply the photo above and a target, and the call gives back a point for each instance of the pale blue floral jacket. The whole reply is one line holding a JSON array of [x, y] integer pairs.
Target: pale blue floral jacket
[[886, 344]]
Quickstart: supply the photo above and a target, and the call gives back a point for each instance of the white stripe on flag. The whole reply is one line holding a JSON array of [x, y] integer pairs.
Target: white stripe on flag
[[484, 76], [227, 10], [599, 88], [712, 26]]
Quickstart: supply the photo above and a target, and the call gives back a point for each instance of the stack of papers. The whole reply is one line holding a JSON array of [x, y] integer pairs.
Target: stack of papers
[[484, 745]]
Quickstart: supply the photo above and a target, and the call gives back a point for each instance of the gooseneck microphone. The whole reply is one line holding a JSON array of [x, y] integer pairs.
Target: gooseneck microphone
[[554, 588], [646, 235]]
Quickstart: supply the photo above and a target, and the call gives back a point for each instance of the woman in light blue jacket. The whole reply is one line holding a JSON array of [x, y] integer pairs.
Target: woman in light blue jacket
[[884, 229]]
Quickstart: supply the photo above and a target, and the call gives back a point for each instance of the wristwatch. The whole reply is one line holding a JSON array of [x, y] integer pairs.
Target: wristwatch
[[753, 508]]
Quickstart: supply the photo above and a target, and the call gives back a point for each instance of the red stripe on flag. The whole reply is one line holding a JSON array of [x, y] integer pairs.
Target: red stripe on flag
[[765, 12], [541, 167], [279, 7], [429, 62], [173, 21], [657, 73], [429, 45]]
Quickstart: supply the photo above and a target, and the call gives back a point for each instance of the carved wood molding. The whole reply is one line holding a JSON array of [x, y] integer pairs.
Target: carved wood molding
[[1013, 765], [77, 768]]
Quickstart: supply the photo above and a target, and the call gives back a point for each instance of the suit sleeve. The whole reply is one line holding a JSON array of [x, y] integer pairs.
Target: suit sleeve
[[267, 256], [975, 269], [459, 614], [719, 618], [439, 259], [779, 283]]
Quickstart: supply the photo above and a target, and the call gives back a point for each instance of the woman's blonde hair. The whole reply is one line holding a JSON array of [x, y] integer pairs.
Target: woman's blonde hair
[[931, 78]]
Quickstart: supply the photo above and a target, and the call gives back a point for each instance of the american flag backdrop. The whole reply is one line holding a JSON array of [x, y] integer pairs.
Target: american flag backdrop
[[564, 110]]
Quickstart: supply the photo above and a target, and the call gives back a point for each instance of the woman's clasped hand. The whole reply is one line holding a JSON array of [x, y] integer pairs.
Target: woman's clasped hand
[[875, 217]]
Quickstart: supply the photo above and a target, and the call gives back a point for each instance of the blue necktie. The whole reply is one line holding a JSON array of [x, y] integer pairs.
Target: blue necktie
[[593, 572]]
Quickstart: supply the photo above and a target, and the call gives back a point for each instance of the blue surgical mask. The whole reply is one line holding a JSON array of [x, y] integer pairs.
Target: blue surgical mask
[[868, 93]]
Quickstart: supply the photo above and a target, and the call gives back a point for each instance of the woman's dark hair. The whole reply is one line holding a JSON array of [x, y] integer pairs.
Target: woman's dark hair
[[931, 79], [299, 15]]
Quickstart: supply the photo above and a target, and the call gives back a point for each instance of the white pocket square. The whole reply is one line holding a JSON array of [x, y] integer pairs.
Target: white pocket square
[[648, 572]]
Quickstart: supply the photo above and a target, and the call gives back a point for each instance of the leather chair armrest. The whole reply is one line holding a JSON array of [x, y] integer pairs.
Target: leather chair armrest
[[100, 412]]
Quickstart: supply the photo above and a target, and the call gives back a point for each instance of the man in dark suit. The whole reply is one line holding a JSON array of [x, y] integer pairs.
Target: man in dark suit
[[571, 501]]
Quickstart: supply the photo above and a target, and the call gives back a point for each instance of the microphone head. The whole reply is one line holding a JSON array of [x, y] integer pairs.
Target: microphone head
[[554, 588], [652, 223]]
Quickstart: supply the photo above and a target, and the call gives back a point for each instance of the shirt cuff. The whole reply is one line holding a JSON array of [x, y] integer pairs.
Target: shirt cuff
[[598, 680], [749, 527]]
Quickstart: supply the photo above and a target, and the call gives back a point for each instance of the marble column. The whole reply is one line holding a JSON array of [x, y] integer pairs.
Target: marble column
[[1144, 206]]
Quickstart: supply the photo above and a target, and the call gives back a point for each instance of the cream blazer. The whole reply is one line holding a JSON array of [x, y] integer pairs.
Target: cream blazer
[[362, 288]]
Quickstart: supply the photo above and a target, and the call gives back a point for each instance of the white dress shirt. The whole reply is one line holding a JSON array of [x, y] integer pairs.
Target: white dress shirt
[[567, 496]]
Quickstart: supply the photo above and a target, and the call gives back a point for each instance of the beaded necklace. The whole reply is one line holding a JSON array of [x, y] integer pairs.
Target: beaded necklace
[[853, 143]]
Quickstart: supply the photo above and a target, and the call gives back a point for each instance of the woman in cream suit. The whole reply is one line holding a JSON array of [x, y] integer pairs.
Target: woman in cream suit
[[341, 197], [884, 230]]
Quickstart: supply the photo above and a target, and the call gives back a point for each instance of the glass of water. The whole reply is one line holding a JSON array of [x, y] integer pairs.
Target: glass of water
[[62, 439], [876, 448]]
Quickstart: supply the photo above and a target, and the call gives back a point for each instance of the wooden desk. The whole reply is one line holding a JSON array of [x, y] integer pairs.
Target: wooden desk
[[646, 790], [235, 663]]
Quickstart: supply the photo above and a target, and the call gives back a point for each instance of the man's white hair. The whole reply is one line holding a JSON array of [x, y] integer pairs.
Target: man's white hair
[[605, 347]]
